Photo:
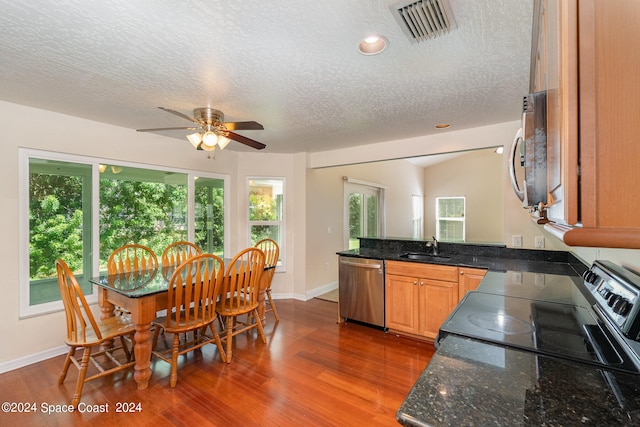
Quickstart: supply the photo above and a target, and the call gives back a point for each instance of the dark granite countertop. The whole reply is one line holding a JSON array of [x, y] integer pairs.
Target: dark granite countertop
[[479, 256], [471, 383]]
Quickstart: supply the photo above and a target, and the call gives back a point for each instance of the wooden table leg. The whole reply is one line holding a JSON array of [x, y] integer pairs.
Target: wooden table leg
[[261, 298], [106, 311], [143, 312], [142, 315], [142, 351]]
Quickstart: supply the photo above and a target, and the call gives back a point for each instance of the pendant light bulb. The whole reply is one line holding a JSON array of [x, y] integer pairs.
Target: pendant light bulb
[[209, 139]]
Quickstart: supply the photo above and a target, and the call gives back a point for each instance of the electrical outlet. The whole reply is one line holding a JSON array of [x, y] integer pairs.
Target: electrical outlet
[[516, 240], [539, 242], [539, 279], [517, 278]]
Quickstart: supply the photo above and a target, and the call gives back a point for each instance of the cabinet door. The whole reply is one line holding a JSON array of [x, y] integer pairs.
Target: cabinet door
[[436, 300], [558, 28], [469, 280], [401, 296]]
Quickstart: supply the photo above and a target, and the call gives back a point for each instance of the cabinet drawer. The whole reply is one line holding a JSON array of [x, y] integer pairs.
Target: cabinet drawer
[[445, 273]]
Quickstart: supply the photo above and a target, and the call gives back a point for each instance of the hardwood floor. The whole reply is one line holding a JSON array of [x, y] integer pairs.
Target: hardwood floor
[[311, 372]]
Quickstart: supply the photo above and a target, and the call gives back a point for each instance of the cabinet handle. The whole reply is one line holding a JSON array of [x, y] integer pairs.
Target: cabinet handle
[[415, 283], [461, 273]]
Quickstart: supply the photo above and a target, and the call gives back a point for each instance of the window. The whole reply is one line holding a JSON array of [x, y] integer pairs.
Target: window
[[364, 211], [59, 222], [450, 219], [417, 217], [209, 215], [80, 209], [143, 206], [266, 212]]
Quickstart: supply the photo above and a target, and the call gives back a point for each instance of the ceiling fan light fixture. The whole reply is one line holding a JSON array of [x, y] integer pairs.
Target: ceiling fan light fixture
[[223, 141], [209, 140], [195, 139]]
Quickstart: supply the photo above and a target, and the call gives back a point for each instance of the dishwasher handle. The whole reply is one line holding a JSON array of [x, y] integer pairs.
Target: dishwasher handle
[[360, 264]]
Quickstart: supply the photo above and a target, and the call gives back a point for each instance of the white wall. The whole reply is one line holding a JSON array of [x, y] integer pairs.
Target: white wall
[[477, 175], [325, 221], [291, 167]]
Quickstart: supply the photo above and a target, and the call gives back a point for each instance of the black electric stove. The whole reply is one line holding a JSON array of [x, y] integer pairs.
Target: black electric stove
[[550, 315]]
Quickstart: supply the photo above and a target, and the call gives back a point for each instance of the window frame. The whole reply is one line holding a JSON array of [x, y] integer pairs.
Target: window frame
[[462, 219], [352, 185], [24, 156], [281, 267]]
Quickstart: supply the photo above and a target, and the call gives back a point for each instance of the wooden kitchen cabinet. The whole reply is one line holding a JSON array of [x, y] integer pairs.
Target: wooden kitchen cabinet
[[469, 279], [419, 297], [585, 55]]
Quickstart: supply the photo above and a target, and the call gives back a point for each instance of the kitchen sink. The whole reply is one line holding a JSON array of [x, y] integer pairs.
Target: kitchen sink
[[423, 256]]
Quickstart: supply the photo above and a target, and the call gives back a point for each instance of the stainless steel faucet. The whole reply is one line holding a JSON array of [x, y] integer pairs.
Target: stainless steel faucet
[[434, 246]]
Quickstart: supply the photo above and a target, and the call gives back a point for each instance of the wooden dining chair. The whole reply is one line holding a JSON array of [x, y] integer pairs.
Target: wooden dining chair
[[132, 262], [193, 291], [178, 252], [84, 331], [175, 254], [272, 254], [239, 296]]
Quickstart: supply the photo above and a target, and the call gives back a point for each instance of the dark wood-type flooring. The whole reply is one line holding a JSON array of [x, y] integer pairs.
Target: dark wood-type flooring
[[311, 372]]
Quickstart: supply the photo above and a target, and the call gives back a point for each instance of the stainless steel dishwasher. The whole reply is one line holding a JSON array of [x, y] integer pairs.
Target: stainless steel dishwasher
[[361, 288]]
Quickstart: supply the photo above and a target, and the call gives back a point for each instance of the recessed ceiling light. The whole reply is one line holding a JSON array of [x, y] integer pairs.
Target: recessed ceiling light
[[373, 45], [442, 126]]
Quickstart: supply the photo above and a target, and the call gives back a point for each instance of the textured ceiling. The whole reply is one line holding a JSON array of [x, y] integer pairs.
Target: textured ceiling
[[291, 65]]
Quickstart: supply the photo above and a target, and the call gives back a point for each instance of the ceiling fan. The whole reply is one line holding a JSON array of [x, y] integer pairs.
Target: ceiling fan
[[214, 131]]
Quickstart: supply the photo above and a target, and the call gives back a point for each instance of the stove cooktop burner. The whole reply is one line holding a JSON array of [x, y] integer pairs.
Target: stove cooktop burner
[[565, 343], [500, 323]]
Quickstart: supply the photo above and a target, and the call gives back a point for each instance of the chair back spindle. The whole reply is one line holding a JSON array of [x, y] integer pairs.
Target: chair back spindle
[[242, 281], [175, 254], [132, 259]]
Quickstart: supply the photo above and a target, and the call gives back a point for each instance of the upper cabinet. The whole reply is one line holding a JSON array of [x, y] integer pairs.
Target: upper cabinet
[[585, 55]]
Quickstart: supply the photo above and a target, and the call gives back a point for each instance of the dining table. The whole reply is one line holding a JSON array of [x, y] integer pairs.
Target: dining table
[[143, 295]]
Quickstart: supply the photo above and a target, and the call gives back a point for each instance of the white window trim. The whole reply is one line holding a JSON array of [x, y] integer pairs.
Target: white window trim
[[24, 154], [282, 267], [462, 219], [382, 209]]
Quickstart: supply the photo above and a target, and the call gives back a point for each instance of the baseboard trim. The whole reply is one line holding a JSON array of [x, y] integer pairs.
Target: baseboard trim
[[32, 358], [321, 290]]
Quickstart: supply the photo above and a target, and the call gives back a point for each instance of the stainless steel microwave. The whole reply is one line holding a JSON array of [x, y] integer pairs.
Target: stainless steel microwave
[[529, 148]]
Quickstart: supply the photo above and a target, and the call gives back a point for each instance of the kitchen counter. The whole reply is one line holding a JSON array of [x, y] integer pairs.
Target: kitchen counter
[[496, 259], [468, 382], [471, 382]]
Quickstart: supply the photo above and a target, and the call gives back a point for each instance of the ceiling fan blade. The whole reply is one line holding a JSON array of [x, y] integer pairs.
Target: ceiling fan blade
[[251, 125], [179, 114], [246, 141], [158, 129]]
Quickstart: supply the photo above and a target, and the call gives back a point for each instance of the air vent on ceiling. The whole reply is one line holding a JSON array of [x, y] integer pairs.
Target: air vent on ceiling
[[423, 19]]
